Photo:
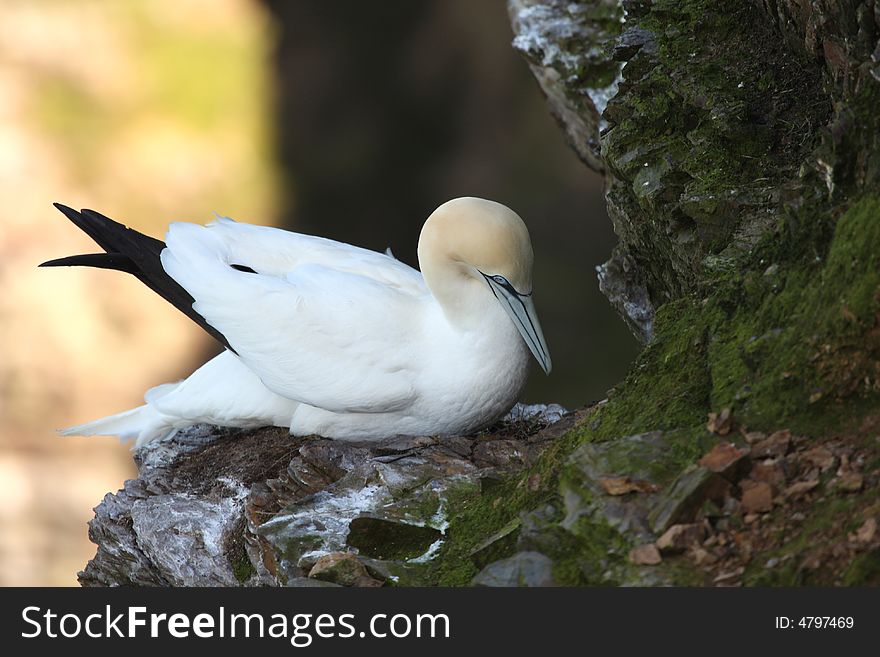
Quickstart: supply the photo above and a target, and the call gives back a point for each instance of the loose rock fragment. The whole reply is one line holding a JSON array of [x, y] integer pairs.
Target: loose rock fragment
[[850, 482], [522, 569], [753, 437], [725, 459], [624, 485], [308, 583], [812, 561], [800, 488], [866, 533], [498, 453], [645, 555], [720, 423], [819, 457], [341, 568], [775, 445], [703, 557], [757, 496], [680, 501], [730, 575], [678, 538], [771, 471]]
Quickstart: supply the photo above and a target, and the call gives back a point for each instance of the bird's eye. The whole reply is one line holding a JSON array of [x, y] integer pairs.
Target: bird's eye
[[500, 280]]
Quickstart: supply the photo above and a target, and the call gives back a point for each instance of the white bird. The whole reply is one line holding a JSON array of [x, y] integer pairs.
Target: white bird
[[331, 339]]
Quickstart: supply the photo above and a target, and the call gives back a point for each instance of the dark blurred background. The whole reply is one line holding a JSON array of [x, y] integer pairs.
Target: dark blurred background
[[385, 110], [346, 119]]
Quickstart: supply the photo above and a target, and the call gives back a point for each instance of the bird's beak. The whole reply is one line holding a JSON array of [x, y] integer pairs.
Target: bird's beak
[[522, 311]]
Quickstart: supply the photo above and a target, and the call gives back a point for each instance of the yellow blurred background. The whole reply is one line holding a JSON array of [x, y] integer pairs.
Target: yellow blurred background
[[142, 109], [348, 119]]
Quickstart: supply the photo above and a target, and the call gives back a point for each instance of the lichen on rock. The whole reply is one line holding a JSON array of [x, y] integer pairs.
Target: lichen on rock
[[567, 47]]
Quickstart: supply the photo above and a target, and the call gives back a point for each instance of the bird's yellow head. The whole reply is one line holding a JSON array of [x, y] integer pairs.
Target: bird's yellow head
[[473, 239], [482, 235]]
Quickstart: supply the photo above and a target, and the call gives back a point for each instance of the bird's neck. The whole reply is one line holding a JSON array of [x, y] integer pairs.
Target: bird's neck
[[464, 300]]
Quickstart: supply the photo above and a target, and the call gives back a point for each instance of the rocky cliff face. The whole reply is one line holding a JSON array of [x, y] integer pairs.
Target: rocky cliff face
[[740, 147], [225, 508]]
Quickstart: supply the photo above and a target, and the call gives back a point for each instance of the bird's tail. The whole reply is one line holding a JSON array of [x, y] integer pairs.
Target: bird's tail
[[142, 424], [132, 252]]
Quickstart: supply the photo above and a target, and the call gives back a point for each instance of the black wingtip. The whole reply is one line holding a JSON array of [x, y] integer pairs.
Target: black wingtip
[[116, 261], [57, 262], [70, 213]]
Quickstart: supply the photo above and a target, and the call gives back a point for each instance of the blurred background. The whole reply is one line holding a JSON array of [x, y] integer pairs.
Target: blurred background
[[347, 119]]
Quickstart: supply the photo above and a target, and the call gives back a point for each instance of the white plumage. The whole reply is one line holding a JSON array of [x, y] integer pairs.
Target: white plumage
[[339, 341]]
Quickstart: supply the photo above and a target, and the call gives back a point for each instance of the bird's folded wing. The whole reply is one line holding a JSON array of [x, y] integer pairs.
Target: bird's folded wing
[[313, 333], [222, 391], [277, 252]]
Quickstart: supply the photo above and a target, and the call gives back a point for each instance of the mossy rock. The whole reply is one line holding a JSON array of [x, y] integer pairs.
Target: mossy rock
[[744, 185]]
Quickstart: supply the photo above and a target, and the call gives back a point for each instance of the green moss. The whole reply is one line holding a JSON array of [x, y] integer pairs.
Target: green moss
[[243, 569], [711, 119], [585, 551], [864, 570], [771, 309], [592, 553], [669, 383], [785, 573], [416, 507], [241, 565], [762, 344], [500, 545], [474, 517], [798, 346], [386, 540], [795, 344], [831, 518], [476, 514]]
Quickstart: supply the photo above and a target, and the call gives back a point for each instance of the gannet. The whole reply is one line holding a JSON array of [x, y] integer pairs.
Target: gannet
[[326, 338]]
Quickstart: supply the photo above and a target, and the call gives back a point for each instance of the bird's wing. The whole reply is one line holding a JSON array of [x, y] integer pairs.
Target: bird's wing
[[326, 326], [222, 391], [276, 252]]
